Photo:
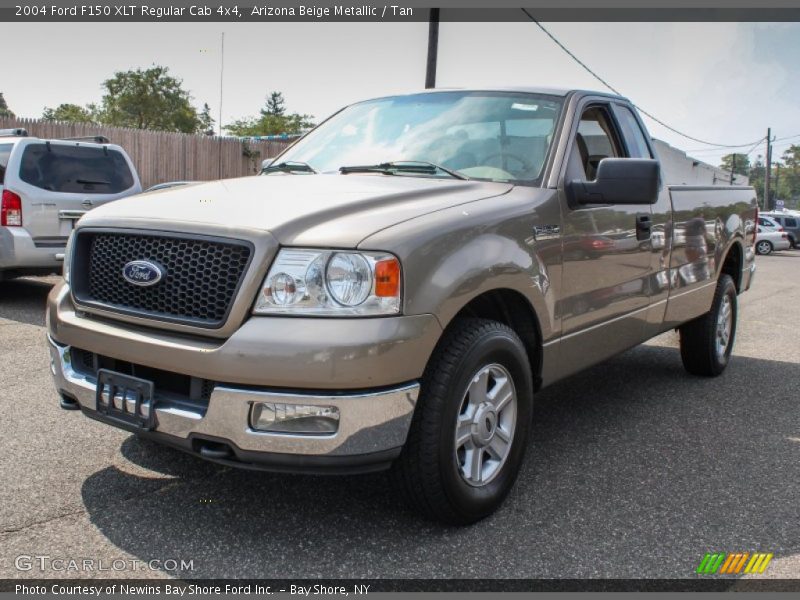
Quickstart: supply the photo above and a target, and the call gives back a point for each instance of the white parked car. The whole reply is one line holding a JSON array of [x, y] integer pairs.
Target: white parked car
[[769, 240], [769, 224]]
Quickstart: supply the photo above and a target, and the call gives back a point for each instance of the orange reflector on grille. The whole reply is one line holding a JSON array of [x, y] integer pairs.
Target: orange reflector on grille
[[387, 278]]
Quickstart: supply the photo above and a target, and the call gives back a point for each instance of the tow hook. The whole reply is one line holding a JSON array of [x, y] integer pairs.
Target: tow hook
[[68, 403]]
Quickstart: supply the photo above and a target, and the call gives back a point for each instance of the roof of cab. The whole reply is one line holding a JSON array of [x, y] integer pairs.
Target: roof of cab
[[547, 91]]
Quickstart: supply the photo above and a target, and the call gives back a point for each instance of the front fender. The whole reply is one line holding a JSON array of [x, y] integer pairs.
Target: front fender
[[455, 255]]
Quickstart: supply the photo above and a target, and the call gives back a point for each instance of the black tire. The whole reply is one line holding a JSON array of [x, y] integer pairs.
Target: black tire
[[427, 471], [764, 247], [699, 338]]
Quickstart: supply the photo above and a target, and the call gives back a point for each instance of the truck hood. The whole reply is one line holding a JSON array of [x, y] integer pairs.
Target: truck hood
[[315, 210]]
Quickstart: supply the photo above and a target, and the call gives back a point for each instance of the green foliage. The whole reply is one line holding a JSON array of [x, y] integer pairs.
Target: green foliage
[[206, 122], [4, 110], [149, 99], [787, 177], [273, 120], [784, 177], [71, 113], [276, 105], [738, 163]]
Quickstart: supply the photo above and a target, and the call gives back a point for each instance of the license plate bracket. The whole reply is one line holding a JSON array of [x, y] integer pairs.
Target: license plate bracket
[[118, 389]]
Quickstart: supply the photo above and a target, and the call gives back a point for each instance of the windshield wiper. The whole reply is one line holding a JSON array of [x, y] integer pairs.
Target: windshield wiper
[[420, 167], [92, 182], [291, 166]]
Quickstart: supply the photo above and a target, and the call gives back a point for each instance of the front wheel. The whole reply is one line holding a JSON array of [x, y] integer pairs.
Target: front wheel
[[471, 424], [764, 247], [707, 342]]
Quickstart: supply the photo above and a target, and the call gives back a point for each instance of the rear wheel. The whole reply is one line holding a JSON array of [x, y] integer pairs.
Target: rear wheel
[[707, 342], [764, 247], [471, 424]]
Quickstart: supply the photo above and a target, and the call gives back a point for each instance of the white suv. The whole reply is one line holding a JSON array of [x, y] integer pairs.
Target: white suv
[[45, 187]]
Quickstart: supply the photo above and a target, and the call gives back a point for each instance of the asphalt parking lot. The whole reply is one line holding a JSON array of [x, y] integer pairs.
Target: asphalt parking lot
[[635, 470]]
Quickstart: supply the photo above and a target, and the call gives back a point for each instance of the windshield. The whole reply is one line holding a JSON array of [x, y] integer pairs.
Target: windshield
[[495, 136]]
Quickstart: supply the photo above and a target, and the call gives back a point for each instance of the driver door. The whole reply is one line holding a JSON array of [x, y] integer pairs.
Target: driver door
[[605, 267]]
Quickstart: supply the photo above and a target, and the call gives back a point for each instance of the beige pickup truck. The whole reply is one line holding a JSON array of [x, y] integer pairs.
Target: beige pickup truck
[[397, 288]]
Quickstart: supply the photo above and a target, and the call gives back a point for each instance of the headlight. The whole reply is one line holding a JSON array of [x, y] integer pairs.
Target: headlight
[[331, 283], [68, 256]]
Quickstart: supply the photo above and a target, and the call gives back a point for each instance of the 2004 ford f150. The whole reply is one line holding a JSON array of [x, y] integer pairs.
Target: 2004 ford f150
[[397, 288]]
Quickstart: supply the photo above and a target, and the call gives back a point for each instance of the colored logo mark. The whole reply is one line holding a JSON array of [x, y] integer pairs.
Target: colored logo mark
[[732, 563]]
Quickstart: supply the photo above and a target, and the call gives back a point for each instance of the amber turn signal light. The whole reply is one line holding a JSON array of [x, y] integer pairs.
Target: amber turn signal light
[[387, 278]]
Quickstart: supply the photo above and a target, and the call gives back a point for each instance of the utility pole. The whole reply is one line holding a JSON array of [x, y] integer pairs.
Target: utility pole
[[221, 74], [733, 166], [768, 171], [433, 48]]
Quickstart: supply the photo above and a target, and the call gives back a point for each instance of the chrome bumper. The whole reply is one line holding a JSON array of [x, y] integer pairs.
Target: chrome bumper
[[370, 423], [750, 272]]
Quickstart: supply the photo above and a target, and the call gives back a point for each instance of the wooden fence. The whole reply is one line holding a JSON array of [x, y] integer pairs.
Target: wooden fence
[[161, 156]]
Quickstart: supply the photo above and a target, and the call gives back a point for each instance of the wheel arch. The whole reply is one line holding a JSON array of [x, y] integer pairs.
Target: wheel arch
[[733, 264], [513, 309]]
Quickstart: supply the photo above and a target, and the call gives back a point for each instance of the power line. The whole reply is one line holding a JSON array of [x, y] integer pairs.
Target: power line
[[613, 89], [756, 145], [788, 137]]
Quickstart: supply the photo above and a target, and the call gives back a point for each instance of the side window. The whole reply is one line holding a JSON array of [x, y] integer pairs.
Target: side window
[[596, 139], [633, 133], [5, 152], [790, 223]]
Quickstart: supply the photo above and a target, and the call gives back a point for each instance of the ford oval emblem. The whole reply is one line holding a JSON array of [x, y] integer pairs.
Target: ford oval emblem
[[142, 273]]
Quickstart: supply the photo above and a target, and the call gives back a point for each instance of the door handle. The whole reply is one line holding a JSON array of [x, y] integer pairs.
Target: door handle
[[644, 225]]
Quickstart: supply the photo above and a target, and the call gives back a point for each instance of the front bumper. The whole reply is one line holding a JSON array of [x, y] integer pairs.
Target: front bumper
[[372, 427], [267, 352], [18, 252]]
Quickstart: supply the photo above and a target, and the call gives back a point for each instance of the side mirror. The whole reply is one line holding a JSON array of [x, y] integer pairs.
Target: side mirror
[[619, 181]]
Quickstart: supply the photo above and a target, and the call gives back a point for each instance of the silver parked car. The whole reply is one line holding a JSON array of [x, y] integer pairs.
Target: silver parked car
[[769, 240], [45, 187], [790, 222]]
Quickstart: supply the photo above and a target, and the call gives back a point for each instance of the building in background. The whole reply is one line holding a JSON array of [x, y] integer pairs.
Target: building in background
[[680, 169]]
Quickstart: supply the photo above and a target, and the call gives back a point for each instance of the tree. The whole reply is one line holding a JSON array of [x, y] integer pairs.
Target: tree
[[149, 99], [791, 157], [273, 120], [206, 121], [736, 163], [276, 105], [5, 112], [71, 113], [789, 177]]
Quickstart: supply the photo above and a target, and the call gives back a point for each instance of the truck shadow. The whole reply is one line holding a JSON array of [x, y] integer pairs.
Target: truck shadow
[[635, 470], [23, 299]]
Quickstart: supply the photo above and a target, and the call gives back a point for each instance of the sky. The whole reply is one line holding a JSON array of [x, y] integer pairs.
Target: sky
[[719, 82]]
